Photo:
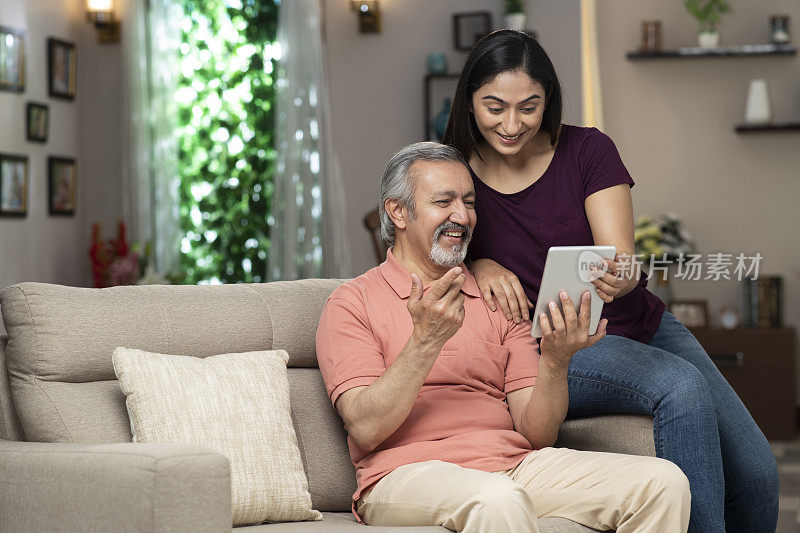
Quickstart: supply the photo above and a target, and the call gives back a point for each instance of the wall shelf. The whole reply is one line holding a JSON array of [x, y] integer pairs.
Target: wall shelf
[[746, 50], [761, 128]]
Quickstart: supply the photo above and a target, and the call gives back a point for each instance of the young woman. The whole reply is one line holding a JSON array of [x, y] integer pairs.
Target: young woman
[[539, 184]]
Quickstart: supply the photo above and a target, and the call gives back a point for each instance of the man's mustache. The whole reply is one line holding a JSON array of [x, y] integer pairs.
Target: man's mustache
[[449, 225]]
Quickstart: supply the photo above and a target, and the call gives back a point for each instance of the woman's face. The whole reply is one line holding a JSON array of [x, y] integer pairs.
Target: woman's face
[[508, 111]]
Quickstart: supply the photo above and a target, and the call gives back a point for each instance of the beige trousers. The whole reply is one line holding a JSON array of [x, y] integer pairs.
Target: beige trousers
[[599, 490]]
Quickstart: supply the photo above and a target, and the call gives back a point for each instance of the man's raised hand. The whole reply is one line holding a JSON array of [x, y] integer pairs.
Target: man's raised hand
[[438, 314], [570, 331]]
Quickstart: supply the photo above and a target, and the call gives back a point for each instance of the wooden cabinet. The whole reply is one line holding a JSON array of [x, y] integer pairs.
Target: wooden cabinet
[[760, 366]]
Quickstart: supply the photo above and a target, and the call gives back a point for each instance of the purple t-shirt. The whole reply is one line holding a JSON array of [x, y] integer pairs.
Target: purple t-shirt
[[517, 229]]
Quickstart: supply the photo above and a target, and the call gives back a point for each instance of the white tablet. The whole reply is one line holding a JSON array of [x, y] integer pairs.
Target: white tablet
[[568, 269]]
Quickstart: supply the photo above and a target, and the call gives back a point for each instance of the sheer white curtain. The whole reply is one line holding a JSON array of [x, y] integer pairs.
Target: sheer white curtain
[[150, 41], [307, 233], [590, 66]]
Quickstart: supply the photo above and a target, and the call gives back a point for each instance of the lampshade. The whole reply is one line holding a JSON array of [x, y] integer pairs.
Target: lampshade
[[94, 6], [101, 14], [369, 15]]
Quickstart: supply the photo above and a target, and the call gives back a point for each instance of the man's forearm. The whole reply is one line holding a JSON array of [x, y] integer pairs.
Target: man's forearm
[[547, 406], [378, 410]]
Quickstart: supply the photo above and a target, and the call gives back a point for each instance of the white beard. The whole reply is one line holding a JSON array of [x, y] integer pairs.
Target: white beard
[[446, 258]]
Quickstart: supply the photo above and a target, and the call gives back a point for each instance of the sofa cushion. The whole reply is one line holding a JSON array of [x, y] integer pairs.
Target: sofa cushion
[[346, 523], [323, 442], [237, 404]]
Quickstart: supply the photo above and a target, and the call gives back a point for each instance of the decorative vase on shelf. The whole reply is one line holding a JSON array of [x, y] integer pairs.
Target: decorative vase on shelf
[[440, 122], [515, 21], [779, 29], [437, 63], [708, 39], [758, 109]]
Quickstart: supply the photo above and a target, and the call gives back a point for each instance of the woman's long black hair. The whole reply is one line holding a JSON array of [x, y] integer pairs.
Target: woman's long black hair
[[498, 52]]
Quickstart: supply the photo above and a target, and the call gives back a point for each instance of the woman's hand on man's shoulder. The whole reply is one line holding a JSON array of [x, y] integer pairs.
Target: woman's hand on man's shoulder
[[494, 279]]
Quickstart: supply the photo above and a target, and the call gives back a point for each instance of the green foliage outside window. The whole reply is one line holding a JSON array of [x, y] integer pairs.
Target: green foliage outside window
[[225, 101]]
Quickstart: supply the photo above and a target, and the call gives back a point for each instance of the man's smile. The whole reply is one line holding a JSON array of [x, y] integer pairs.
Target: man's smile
[[452, 233]]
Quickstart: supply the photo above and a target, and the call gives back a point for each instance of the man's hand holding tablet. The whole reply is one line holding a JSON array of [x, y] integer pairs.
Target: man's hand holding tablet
[[567, 278], [569, 332]]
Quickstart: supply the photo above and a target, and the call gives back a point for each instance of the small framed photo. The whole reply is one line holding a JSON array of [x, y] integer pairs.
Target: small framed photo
[[13, 185], [12, 60], [38, 122], [468, 28], [62, 60], [691, 313], [61, 185]]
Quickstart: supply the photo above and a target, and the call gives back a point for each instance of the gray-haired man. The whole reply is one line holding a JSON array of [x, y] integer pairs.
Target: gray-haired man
[[445, 425]]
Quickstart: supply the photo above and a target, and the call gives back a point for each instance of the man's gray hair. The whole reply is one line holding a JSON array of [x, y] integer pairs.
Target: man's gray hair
[[398, 183]]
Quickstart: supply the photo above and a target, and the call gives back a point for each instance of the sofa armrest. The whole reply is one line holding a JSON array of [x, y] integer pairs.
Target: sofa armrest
[[113, 487], [632, 434]]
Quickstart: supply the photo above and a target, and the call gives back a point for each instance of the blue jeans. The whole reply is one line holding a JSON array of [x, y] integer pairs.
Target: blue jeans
[[700, 424]]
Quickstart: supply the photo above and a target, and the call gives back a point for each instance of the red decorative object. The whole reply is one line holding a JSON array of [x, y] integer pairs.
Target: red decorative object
[[113, 260]]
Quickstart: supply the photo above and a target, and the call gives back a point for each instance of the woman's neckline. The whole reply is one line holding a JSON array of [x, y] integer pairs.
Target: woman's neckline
[[540, 178]]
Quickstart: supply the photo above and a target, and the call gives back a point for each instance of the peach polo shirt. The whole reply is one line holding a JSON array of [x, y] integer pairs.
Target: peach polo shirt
[[460, 415]]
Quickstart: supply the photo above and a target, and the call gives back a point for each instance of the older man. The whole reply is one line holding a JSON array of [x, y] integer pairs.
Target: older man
[[450, 410]]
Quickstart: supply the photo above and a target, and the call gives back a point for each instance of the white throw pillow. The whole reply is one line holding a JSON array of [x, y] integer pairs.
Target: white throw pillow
[[236, 403]]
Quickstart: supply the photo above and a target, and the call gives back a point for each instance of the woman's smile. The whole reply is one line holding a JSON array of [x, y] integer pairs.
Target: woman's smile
[[510, 139]]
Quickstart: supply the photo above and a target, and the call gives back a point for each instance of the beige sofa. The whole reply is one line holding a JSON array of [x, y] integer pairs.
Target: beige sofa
[[67, 462]]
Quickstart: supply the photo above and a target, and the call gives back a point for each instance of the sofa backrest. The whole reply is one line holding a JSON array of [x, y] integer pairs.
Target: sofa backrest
[[63, 385], [10, 428]]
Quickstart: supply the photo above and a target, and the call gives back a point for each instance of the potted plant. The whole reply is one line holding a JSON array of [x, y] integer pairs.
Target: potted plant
[[708, 14], [662, 240], [515, 15]]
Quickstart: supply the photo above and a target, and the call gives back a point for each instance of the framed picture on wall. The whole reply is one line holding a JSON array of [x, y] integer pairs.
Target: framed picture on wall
[[12, 60], [13, 185], [38, 122], [62, 61], [61, 185], [691, 313], [468, 28]]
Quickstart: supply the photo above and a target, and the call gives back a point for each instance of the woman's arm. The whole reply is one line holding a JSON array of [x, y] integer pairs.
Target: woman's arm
[[610, 214]]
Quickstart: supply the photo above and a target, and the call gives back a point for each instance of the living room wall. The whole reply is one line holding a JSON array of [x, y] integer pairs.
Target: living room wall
[[41, 247], [673, 121], [376, 85]]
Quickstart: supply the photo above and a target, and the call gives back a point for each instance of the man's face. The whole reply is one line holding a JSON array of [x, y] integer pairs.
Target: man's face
[[444, 213]]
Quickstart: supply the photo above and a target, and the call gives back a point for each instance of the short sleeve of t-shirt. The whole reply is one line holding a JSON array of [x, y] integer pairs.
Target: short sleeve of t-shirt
[[347, 352], [522, 366], [599, 163]]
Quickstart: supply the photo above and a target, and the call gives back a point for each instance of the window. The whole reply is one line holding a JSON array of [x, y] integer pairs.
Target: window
[[225, 96]]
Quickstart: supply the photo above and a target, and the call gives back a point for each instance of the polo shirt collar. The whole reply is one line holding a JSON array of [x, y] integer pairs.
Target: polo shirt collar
[[399, 278]]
